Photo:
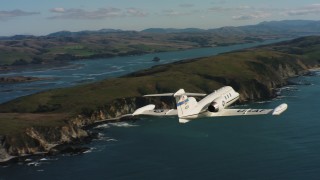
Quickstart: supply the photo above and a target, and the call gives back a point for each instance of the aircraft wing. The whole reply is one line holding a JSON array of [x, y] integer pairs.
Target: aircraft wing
[[243, 112], [149, 110]]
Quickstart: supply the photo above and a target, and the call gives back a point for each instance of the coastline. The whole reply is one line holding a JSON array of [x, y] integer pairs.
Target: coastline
[[245, 76], [78, 145]]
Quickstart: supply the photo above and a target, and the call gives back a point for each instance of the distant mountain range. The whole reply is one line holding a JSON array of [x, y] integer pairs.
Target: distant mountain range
[[83, 33], [285, 26], [104, 43], [293, 27]]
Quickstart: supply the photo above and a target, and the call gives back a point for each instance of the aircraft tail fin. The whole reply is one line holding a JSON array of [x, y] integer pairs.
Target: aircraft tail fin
[[184, 103]]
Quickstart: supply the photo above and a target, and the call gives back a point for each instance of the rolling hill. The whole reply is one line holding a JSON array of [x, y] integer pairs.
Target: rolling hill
[[64, 46]]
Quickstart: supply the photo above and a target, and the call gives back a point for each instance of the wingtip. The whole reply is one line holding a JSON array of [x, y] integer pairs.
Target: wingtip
[[183, 120], [280, 109]]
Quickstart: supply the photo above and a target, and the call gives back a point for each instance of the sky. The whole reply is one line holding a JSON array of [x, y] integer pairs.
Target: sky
[[41, 17]]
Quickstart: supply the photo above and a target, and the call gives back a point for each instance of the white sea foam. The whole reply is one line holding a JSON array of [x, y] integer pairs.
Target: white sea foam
[[122, 124], [103, 137], [117, 124], [107, 139], [88, 151], [28, 160], [102, 126], [263, 102], [289, 88], [112, 139], [48, 159], [34, 164]]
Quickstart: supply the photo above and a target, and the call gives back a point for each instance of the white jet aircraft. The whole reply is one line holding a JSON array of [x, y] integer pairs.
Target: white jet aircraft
[[213, 105]]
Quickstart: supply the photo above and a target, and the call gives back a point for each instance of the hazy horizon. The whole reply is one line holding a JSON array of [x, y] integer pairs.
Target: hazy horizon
[[36, 17]]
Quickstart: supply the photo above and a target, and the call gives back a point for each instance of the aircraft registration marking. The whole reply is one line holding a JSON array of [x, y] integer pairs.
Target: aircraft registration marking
[[250, 110], [182, 102]]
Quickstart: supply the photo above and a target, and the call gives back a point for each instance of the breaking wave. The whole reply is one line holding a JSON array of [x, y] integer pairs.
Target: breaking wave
[[116, 124], [122, 124]]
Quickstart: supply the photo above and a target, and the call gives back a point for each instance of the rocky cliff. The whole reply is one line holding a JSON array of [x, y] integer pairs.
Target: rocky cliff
[[37, 140]]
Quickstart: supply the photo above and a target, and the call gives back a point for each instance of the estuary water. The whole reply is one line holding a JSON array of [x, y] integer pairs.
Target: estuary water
[[249, 147], [86, 71]]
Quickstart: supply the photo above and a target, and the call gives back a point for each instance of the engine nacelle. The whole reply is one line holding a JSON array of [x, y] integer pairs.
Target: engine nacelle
[[213, 107], [216, 105]]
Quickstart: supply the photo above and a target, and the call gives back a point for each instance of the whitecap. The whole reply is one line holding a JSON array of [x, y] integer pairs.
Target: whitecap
[[100, 135], [102, 126], [33, 164], [122, 124], [48, 159], [263, 102], [107, 139], [28, 160], [111, 139], [88, 151]]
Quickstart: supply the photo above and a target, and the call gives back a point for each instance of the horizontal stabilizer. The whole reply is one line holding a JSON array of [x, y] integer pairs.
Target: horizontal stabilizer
[[195, 94], [158, 95], [149, 110], [143, 109], [172, 94]]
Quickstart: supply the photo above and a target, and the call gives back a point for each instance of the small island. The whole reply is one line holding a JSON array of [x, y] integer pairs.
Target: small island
[[156, 59]]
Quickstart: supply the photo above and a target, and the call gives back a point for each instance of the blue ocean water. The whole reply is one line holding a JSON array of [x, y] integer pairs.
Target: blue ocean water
[[247, 147]]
